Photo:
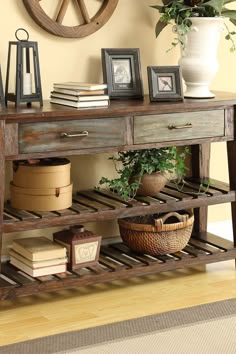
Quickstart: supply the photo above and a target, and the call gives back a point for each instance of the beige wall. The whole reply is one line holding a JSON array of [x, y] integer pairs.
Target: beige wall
[[131, 25]]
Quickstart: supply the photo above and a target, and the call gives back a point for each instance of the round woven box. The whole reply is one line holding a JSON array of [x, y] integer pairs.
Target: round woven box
[[167, 234]]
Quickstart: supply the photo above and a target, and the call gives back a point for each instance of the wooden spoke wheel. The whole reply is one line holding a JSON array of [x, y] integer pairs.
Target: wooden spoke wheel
[[55, 26]]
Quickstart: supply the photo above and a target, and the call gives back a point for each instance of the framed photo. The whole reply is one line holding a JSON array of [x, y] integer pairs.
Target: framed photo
[[122, 73], [164, 83]]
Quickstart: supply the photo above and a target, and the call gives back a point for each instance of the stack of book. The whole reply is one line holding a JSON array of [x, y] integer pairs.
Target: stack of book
[[38, 256], [80, 94]]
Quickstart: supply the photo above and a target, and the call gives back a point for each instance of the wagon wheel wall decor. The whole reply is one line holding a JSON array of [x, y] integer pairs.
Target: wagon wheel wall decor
[[56, 27]]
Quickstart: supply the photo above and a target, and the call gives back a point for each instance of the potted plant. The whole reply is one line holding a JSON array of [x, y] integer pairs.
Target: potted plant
[[181, 11], [145, 172], [198, 25]]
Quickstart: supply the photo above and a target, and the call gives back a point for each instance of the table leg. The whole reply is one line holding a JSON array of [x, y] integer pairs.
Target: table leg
[[231, 150], [200, 169], [2, 180]]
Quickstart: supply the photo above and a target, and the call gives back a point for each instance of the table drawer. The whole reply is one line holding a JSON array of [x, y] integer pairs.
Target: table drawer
[[50, 136], [178, 126]]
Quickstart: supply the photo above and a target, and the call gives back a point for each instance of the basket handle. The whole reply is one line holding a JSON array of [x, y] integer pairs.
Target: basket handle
[[159, 223]]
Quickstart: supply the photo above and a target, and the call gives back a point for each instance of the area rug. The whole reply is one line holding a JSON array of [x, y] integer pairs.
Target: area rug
[[202, 329]]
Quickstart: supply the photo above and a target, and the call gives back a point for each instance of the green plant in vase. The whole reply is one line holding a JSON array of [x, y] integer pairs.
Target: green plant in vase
[[180, 13], [133, 167]]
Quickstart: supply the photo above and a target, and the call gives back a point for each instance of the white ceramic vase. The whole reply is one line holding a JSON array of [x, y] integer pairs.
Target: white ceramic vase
[[198, 60]]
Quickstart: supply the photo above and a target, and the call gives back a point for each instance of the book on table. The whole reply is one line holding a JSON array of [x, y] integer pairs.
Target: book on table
[[38, 248], [80, 85], [76, 104], [76, 92], [78, 98], [37, 264], [38, 272]]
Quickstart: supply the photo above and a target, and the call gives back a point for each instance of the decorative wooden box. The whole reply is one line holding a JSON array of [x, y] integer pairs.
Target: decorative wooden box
[[83, 246], [42, 173], [41, 185], [43, 199]]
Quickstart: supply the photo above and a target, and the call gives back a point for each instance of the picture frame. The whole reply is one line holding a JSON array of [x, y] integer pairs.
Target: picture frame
[[2, 97], [122, 73], [165, 83]]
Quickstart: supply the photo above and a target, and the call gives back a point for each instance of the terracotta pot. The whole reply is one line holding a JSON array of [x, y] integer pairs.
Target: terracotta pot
[[153, 183]]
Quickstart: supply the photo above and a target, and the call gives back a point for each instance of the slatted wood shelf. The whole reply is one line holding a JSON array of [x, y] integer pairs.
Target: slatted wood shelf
[[95, 205], [117, 261]]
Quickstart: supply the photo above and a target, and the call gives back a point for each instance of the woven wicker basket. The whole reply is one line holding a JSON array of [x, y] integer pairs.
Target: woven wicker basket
[[159, 237]]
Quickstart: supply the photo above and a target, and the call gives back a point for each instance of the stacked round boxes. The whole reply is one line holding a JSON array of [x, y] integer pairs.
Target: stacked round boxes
[[41, 185]]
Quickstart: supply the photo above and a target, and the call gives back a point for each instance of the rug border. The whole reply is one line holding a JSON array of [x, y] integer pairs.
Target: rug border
[[123, 329]]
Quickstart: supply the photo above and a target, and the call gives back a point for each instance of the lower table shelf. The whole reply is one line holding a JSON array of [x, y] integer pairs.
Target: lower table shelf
[[117, 262]]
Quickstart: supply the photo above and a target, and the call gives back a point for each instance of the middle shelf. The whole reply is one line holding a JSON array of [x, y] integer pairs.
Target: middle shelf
[[93, 205]]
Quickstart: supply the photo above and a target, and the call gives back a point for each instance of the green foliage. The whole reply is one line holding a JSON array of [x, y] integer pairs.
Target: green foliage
[[179, 12], [132, 165]]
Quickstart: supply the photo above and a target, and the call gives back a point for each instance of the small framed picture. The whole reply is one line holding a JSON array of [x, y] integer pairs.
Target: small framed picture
[[165, 83], [122, 72]]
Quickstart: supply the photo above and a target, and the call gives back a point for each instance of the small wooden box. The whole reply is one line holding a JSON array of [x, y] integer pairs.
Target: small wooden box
[[43, 199], [83, 246], [43, 173]]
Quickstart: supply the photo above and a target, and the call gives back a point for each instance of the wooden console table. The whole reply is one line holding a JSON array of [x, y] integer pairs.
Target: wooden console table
[[38, 132]]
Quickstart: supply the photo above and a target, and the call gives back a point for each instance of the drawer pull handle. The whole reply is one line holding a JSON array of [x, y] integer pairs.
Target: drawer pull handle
[[172, 126], [66, 135]]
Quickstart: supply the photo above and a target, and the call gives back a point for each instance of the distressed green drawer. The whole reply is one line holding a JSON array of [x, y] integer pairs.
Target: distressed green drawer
[[178, 126], [71, 135]]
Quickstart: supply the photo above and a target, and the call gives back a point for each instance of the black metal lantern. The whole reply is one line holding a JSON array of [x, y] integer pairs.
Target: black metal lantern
[[26, 82], [2, 100]]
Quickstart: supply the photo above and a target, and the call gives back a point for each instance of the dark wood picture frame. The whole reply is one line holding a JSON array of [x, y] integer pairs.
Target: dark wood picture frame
[[122, 73], [2, 98], [165, 83]]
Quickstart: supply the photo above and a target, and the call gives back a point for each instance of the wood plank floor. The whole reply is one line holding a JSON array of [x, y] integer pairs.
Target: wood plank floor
[[46, 314]]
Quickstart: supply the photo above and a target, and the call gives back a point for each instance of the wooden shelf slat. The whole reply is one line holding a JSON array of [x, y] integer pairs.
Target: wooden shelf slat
[[216, 241], [81, 209], [213, 183], [151, 200], [68, 211], [45, 214], [124, 249], [195, 186], [13, 273], [118, 256], [9, 218], [182, 256], [93, 204], [175, 193], [4, 284], [111, 263], [93, 195], [204, 246], [19, 213], [195, 251], [131, 203], [187, 190]]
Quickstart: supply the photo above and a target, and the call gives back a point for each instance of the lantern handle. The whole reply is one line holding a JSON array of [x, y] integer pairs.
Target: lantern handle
[[24, 30]]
